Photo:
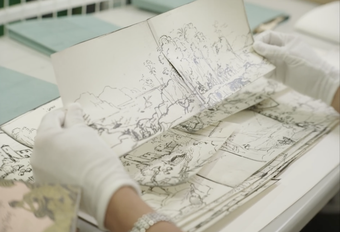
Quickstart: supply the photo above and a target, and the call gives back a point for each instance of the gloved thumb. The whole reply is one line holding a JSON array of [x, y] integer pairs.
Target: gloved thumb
[[266, 50], [74, 115]]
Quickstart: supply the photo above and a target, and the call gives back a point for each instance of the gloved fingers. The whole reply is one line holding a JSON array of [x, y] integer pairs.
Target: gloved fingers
[[54, 120], [271, 52], [271, 38], [74, 115]]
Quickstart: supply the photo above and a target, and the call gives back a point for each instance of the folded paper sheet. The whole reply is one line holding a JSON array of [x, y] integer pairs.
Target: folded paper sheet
[[140, 81]]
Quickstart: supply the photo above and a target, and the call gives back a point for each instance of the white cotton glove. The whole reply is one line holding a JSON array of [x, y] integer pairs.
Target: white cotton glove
[[298, 66], [67, 151]]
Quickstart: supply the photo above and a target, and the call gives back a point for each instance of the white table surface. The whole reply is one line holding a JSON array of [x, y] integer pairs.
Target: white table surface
[[304, 188]]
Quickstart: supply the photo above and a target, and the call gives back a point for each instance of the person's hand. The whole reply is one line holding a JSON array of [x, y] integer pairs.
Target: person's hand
[[298, 66], [67, 151]]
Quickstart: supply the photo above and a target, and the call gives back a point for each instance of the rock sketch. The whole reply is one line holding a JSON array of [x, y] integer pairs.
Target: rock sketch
[[173, 157], [14, 160]]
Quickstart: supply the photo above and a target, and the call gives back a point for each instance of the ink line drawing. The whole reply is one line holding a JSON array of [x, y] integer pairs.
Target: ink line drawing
[[180, 70], [24, 128], [173, 157], [250, 95], [14, 160]]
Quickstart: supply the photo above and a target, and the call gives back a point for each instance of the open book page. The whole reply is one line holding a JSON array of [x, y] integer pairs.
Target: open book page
[[130, 90], [37, 208], [209, 44]]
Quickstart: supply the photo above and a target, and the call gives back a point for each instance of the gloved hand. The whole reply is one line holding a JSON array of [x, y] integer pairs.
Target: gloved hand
[[67, 151], [298, 66]]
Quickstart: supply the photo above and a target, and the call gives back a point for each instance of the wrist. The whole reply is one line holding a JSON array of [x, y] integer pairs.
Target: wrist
[[336, 101], [124, 209]]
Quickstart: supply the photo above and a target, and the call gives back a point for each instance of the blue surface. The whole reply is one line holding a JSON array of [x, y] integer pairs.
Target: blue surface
[[20, 93], [56, 34], [256, 14]]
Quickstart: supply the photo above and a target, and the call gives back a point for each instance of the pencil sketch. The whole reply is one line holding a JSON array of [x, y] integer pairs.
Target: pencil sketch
[[179, 71], [141, 115], [183, 199], [224, 205], [14, 160], [173, 157], [300, 110], [210, 75], [24, 128], [259, 140], [245, 191], [165, 97], [250, 95]]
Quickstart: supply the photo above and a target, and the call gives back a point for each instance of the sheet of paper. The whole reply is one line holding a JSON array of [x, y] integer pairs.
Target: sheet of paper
[[20, 93], [131, 92], [175, 156], [259, 140], [14, 160], [316, 110], [177, 201], [297, 109], [209, 44], [250, 95], [24, 128]]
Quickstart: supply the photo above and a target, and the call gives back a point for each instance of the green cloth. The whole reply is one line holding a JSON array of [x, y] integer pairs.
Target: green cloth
[[51, 35], [256, 14], [20, 93]]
